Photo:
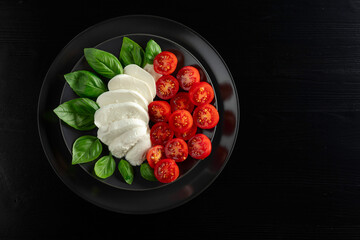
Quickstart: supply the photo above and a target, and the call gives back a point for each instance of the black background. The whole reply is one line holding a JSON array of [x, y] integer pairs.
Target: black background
[[295, 173]]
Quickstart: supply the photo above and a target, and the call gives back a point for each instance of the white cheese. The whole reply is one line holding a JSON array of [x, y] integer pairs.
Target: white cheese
[[120, 96], [150, 69], [123, 116], [104, 116], [137, 154], [137, 72], [120, 145], [127, 82], [108, 133]]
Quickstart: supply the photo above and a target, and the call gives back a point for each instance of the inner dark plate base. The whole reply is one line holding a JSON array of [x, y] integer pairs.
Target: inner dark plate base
[[157, 199]]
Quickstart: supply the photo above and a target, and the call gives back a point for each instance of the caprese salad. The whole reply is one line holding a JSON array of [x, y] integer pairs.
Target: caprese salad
[[148, 114]]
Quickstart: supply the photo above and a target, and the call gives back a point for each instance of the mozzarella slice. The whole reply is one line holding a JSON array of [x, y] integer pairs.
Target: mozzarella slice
[[108, 133], [137, 72], [127, 82], [120, 96], [120, 145], [150, 69], [136, 155], [114, 112]]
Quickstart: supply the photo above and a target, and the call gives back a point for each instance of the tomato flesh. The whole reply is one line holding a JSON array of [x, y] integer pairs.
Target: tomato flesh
[[199, 146], [155, 154], [166, 87], [180, 121], [159, 111], [201, 93], [187, 76], [165, 63], [188, 134], [161, 133], [206, 116], [176, 149], [181, 101], [166, 170]]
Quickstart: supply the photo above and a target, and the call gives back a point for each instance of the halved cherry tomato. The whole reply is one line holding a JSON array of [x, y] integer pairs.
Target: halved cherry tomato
[[180, 121], [201, 93], [159, 111], [206, 116], [199, 146], [165, 63], [176, 149], [166, 87], [187, 76], [155, 154], [161, 133], [166, 170], [188, 134], [181, 101]]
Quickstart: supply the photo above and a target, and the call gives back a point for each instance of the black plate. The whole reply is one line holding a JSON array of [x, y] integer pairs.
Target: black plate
[[142, 196]]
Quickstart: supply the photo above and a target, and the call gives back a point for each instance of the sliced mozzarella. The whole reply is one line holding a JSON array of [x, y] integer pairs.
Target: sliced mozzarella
[[114, 112], [120, 96], [120, 145], [136, 155], [127, 82], [108, 133], [137, 72], [150, 69]]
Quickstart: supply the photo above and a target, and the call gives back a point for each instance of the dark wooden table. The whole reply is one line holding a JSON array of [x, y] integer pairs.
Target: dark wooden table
[[295, 173]]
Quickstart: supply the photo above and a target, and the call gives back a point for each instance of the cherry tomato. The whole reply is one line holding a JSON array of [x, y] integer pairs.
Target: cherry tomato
[[161, 133], [206, 116], [180, 121], [181, 101], [199, 146], [201, 93], [166, 170], [155, 154], [165, 63], [187, 76], [166, 87], [159, 111], [188, 134], [176, 149]]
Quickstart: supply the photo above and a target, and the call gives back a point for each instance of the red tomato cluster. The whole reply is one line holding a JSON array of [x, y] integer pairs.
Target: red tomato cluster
[[185, 112]]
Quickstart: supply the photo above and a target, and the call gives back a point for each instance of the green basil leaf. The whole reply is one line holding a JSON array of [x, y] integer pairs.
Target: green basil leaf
[[86, 149], [131, 53], [152, 49], [105, 167], [103, 62], [78, 113], [85, 84], [147, 172], [126, 170]]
